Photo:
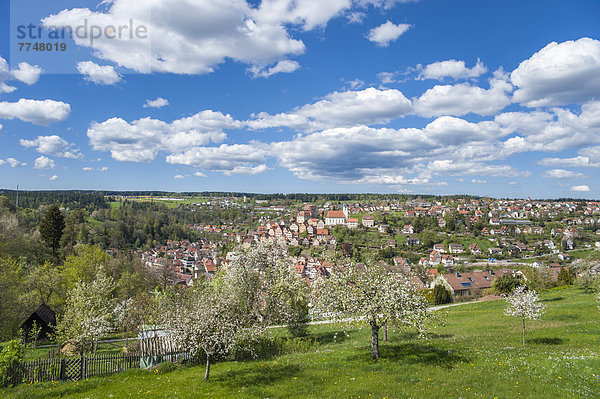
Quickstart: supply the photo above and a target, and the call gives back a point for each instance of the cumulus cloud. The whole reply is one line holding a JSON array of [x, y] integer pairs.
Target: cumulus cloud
[[283, 66], [561, 174], [588, 158], [340, 109], [555, 130], [193, 38], [478, 181], [229, 159], [102, 75], [44, 163], [53, 177], [42, 112], [142, 139], [462, 99], [87, 169], [158, 103], [559, 74], [12, 162], [386, 33], [52, 145], [452, 69], [26, 73], [583, 189]]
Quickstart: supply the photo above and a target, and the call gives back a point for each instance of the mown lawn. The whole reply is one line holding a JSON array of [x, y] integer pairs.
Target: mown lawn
[[476, 353]]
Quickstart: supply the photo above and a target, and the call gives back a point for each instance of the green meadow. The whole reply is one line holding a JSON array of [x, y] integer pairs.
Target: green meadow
[[474, 352]]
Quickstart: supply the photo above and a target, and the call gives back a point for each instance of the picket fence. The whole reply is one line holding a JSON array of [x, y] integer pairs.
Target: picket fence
[[153, 351]]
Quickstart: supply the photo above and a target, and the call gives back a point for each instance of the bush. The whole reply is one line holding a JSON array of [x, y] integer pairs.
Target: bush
[[565, 277], [441, 295], [506, 284], [165, 367], [11, 358]]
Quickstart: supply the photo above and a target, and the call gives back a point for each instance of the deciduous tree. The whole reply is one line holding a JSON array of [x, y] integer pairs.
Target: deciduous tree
[[524, 304], [370, 294]]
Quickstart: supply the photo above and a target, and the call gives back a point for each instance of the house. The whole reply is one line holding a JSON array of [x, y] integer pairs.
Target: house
[[352, 223], [43, 317], [440, 248], [368, 220], [301, 217], [474, 248], [495, 251], [412, 241], [435, 258], [333, 218], [468, 284], [448, 261], [456, 248], [408, 229]]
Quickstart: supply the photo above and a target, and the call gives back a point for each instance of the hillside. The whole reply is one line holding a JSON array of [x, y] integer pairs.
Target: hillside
[[476, 353]]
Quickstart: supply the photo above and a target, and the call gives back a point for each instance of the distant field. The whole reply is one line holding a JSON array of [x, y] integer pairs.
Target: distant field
[[476, 353], [173, 202]]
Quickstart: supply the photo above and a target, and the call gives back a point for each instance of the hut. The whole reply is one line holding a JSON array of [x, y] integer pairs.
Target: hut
[[43, 317]]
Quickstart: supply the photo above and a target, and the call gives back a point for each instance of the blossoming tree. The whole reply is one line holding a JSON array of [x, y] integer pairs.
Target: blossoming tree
[[524, 304], [370, 294], [89, 312]]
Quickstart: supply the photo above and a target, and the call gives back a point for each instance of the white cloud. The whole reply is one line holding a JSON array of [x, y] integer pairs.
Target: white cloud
[[462, 99], [452, 69], [87, 169], [142, 139], [102, 75], [12, 162], [179, 177], [588, 158], [229, 159], [386, 33], [561, 174], [52, 145], [555, 130], [580, 188], [283, 66], [559, 74], [158, 103], [340, 109], [44, 163], [194, 37], [199, 174], [478, 181], [104, 169], [38, 112], [26, 73], [53, 177]]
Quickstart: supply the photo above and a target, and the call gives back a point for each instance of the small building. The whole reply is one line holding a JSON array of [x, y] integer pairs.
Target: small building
[[43, 317], [368, 220]]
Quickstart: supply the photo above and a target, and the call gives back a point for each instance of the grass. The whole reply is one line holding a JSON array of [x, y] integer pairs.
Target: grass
[[477, 353]]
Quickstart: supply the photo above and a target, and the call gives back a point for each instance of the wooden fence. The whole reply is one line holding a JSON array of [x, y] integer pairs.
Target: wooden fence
[[79, 368], [69, 368]]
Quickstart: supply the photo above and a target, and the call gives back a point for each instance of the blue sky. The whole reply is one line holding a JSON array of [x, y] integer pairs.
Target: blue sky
[[496, 98]]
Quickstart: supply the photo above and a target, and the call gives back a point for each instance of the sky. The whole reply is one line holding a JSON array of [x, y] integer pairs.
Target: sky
[[497, 97]]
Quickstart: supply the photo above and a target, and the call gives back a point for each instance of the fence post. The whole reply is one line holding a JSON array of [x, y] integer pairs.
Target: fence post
[[63, 367]]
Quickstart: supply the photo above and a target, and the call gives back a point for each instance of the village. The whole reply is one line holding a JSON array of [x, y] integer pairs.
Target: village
[[463, 244]]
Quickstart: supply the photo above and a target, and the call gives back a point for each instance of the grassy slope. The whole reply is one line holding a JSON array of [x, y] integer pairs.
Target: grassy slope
[[476, 354]]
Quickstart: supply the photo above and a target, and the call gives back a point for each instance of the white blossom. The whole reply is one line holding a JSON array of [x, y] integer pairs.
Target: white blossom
[[524, 304], [370, 294]]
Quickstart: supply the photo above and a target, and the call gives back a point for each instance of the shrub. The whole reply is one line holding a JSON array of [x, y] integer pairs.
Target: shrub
[[11, 357], [565, 277], [165, 367], [441, 295], [506, 284]]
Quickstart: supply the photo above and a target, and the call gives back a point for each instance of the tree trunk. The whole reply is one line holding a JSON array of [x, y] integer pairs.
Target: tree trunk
[[523, 331], [207, 372], [374, 341], [385, 333]]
